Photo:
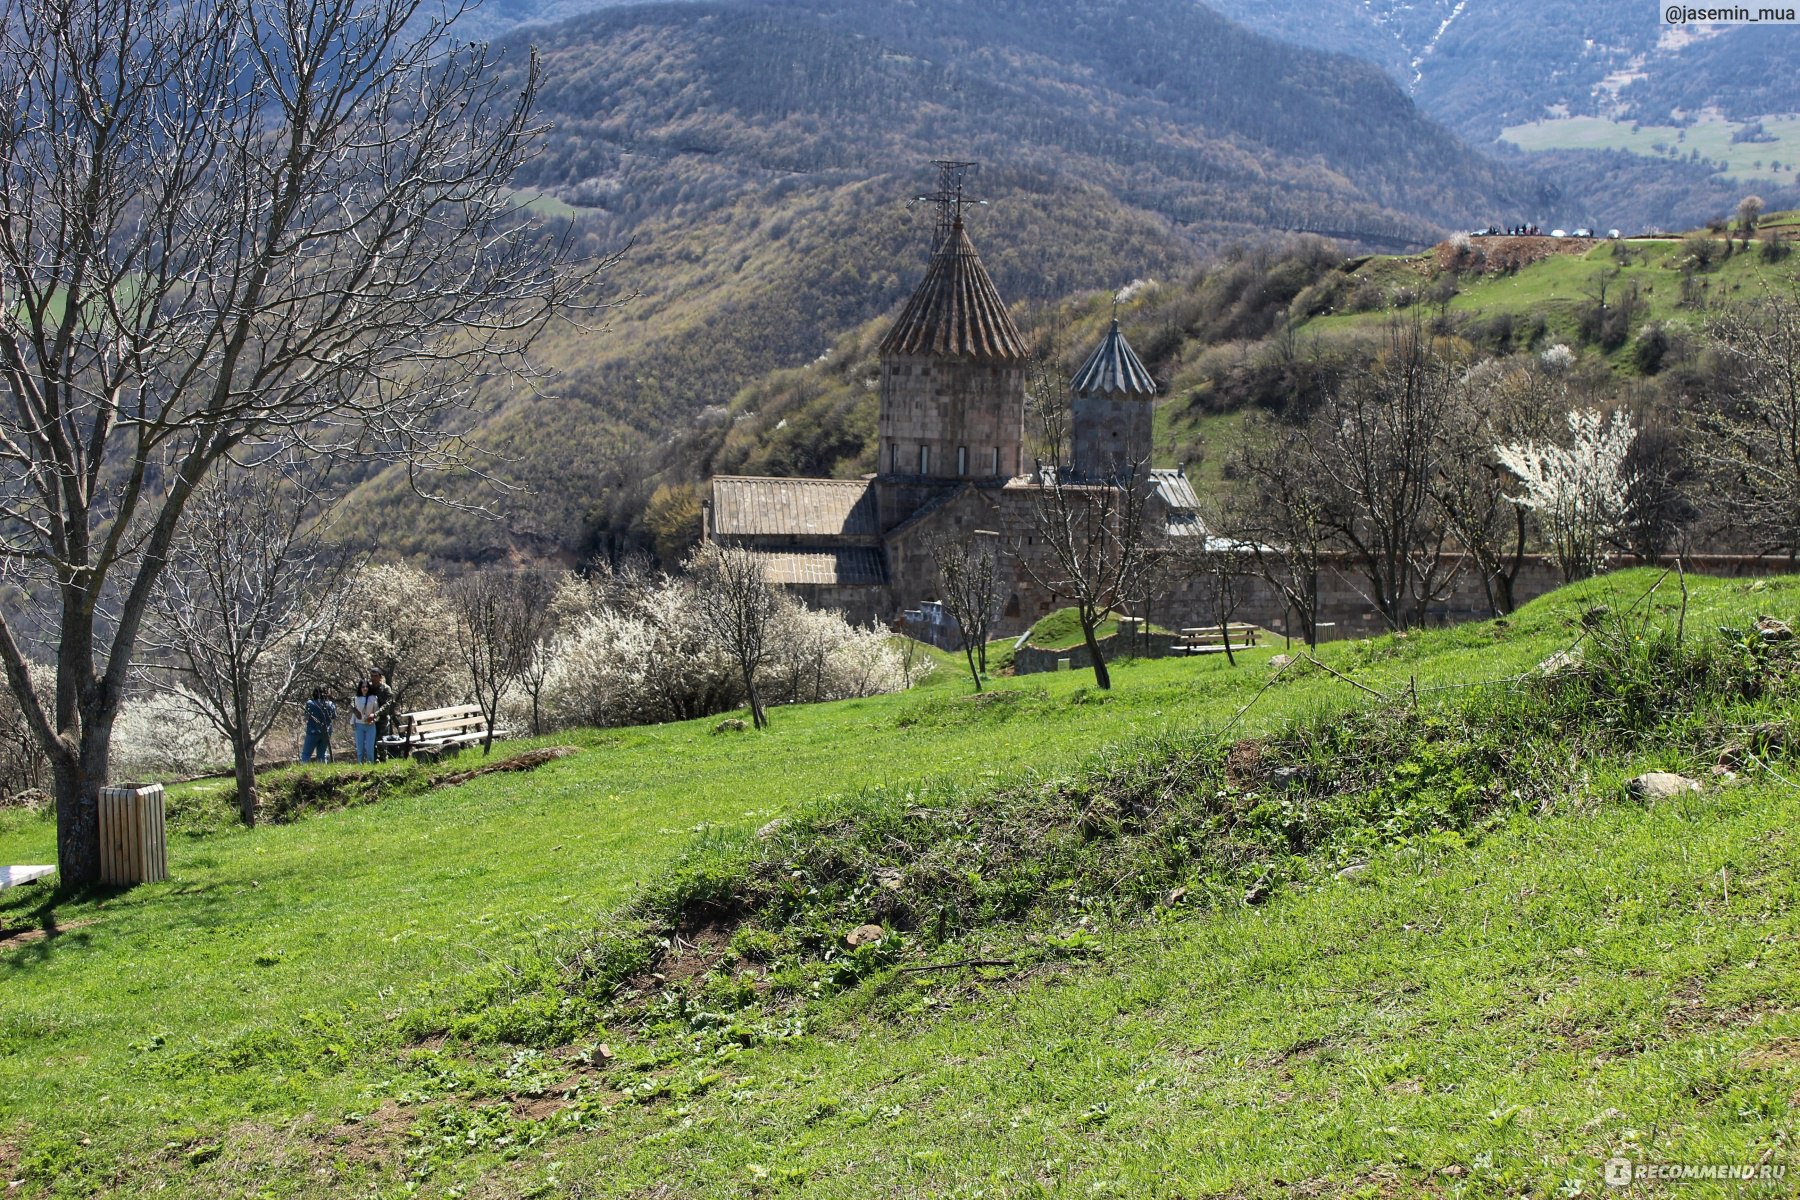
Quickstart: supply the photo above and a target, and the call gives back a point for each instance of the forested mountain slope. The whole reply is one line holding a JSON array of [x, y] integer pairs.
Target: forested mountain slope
[[1480, 65], [1637, 124], [758, 159]]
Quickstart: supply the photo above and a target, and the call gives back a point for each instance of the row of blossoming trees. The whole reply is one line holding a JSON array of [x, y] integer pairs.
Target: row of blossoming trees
[[538, 650]]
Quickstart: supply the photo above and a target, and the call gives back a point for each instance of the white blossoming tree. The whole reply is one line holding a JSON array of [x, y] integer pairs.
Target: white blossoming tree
[[1578, 491]]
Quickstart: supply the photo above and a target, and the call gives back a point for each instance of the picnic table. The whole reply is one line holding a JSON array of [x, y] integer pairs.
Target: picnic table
[[11, 877], [1210, 639]]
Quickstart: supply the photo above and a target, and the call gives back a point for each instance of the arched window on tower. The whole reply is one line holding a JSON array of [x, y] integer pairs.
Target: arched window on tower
[[924, 460], [962, 460]]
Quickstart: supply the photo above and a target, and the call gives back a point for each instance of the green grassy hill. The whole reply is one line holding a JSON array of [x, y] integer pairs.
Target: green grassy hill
[[1221, 930], [1271, 327]]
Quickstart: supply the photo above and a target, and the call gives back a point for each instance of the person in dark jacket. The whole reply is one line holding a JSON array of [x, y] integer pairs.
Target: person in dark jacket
[[384, 697], [321, 713], [384, 703]]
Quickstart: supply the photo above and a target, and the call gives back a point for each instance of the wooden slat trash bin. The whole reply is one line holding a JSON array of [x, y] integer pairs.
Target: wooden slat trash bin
[[133, 848]]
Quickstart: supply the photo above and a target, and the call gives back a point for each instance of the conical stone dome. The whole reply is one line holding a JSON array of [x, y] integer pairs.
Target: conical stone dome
[[1113, 369], [956, 311]]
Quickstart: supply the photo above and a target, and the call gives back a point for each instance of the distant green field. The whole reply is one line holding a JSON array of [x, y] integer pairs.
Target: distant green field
[[1556, 287], [1483, 1021], [542, 203], [1710, 136]]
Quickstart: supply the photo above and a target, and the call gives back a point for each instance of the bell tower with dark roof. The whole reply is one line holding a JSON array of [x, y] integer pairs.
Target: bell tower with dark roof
[[1113, 401], [952, 369]]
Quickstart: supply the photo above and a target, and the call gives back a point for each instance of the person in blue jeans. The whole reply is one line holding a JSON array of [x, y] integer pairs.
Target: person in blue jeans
[[363, 707], [320, 714]]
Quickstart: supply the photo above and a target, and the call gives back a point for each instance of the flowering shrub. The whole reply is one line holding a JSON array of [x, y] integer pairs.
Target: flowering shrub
[[635, 652], [164, 734], [1579, 491]]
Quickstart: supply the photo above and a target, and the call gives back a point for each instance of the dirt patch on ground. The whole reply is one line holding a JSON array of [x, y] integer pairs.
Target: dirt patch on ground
[[544, 1105], [1782, 1052], [1379, 1182], [691, 955], [24, 935], [530, 760], [1501, 255], [1243, 763], [375, 1138], [1688, 1010]]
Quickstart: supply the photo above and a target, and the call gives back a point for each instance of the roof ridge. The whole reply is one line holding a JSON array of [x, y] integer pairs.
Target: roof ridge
[[796, 479]]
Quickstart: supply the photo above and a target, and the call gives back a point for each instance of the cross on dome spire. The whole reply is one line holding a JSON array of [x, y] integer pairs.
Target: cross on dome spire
[[949, 197]]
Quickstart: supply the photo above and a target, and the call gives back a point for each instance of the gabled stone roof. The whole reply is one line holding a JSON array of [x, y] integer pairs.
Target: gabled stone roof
[[1113, 369], [842, 566], [746, 506], [1174, 489], [956, 311]]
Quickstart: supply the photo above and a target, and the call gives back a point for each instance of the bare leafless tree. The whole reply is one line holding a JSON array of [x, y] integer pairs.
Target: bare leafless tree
[[537, 627], [1750, 427], [1090, 545], [1219, 567], [500, 624], [737, 606], [1380, 443], [1498, 403], [250, 600], [968, 570], [1283, 518], [229, 228]]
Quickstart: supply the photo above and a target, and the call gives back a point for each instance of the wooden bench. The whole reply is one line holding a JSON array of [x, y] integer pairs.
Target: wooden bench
[[1209, 640], [434, 732]]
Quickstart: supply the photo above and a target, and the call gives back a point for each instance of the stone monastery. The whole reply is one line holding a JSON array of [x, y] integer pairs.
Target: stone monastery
[[954, 465], [953, 459]]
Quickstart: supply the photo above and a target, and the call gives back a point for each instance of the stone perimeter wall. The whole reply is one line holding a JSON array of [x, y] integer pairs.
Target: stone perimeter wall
[[1344, 612]]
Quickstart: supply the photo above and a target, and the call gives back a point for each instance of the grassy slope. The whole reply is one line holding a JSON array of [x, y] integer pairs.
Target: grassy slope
[[1555, 286], [1340, 1026], [1487, 1023], [224, 990]]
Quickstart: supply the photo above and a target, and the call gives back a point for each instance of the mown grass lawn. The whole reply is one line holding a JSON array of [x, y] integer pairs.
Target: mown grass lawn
[[217, 1034], [261, 979]]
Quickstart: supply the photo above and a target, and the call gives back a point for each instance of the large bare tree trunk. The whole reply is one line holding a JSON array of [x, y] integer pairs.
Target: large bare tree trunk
[[1102, 677], [84, 714], [243, 751], [77, 783]]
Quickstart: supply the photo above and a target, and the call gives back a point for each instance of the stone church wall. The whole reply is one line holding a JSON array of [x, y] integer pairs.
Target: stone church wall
[[1107, 433], [969, 415]]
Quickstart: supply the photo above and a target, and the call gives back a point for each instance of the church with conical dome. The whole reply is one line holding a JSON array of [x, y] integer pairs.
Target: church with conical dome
[[953, 458]]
